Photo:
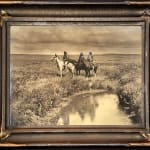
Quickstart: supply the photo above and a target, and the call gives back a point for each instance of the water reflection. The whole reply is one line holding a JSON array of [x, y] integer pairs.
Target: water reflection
[[96, 109]]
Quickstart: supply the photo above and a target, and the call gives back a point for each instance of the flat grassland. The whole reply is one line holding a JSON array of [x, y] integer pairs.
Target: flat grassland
[[38, 93]]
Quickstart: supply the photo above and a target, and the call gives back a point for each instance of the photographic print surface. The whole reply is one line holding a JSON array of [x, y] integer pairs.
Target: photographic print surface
[[64, 75]]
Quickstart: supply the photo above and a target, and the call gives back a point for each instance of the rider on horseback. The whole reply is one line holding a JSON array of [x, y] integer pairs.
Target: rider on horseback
[[65, 57], [90, 59], [81, 58]]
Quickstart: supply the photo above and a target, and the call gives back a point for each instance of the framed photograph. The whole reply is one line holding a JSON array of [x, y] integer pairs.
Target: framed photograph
[[74, 73]]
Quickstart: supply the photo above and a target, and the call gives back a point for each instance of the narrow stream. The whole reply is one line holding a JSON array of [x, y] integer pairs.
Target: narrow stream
[[94, 109]]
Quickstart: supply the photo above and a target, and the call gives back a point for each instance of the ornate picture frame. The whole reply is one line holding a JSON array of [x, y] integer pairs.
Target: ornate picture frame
[[26, 25]]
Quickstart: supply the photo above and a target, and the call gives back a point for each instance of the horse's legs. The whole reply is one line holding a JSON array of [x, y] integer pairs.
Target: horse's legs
[[72, 74], [88, 72], [72, 71], [76, 71], [61, 73], [94, 74], [95, 70]]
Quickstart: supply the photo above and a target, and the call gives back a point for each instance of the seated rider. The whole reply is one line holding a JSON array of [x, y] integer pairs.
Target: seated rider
[[81, 58], [65, 57], [90, 59]]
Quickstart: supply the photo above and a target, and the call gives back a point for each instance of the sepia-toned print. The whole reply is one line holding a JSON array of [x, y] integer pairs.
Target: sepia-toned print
[[67, 74]]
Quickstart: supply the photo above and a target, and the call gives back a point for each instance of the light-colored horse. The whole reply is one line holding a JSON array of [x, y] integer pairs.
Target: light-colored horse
[[61, 65], [71, 67]]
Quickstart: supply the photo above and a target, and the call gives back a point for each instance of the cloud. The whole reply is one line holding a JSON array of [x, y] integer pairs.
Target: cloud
[[74, 39]]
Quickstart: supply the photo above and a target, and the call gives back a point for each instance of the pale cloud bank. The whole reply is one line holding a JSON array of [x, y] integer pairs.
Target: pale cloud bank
[[76, 38]]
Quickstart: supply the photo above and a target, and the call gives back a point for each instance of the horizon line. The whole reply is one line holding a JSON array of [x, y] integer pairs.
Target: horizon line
[[78, 54]]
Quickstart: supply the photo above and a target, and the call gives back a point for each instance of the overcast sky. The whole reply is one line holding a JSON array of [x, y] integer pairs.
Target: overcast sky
[[75, 39]]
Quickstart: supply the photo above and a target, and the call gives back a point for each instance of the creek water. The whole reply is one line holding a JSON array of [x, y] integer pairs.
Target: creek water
[[94, 109]]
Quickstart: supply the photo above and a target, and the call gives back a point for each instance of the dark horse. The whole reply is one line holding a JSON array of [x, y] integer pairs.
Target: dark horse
[[87, 67]]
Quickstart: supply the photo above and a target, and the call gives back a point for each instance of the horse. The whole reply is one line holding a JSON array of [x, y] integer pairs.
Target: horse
[[61, 65], [87, 67], [92, 67], [71, 67]]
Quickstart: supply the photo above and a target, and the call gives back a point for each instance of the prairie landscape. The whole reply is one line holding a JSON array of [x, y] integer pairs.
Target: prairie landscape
[[40, 96]]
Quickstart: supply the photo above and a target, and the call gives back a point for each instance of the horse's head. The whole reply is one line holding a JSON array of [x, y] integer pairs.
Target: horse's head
[[54, 57]]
